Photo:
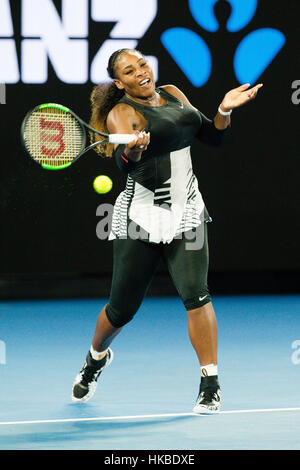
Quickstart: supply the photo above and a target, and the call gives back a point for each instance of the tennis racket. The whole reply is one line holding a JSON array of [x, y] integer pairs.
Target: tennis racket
[[55, 137]]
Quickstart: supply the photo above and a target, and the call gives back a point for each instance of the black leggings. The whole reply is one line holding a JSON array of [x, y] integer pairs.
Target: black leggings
[[134, 266]]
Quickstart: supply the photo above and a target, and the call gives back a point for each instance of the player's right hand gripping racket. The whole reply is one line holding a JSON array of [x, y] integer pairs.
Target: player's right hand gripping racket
[[55, 137]]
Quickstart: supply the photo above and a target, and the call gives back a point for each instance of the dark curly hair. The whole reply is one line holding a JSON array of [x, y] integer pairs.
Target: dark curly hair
[[103, 98]]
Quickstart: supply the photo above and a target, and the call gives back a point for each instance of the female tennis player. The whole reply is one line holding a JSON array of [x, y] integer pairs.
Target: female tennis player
[[160, 214]]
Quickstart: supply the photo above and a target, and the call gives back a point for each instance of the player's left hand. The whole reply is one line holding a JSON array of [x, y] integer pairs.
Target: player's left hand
[[239, 96]]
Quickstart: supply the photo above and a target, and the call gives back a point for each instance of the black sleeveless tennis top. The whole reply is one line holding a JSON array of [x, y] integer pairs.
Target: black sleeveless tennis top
[[161, 198], [172, 126]]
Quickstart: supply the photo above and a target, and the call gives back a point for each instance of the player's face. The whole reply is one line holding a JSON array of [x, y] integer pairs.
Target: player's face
[[134, 75]]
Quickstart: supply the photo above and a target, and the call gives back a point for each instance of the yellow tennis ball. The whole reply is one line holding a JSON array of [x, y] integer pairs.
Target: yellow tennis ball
[[102, 184]]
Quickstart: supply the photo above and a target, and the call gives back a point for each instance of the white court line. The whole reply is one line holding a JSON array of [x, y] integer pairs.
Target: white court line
[[166, 415]]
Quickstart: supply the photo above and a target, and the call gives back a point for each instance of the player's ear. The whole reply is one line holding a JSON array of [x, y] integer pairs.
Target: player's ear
[[119, 84]]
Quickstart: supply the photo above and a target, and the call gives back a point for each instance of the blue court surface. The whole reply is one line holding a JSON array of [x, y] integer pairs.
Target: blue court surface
[[145, 398]]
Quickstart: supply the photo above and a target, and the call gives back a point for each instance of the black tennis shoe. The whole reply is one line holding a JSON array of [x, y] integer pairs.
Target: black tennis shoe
[[85, 382], [209, 398]]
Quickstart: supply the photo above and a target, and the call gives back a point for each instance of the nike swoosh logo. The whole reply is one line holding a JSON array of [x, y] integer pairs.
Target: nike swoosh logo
[[201, 298]]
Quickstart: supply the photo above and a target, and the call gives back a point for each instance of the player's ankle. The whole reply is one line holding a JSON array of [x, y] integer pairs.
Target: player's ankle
[[209, 370], [98, 355]]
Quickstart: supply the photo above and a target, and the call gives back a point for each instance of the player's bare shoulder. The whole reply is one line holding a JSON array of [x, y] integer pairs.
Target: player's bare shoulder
[[121, 110], [121, 118], [174, 91]]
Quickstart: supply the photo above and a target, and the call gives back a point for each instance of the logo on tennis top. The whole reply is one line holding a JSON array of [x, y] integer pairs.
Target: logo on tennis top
[[191, 53]]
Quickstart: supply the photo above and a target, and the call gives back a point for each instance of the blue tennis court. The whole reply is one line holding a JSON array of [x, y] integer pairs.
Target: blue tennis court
[[145, 398]]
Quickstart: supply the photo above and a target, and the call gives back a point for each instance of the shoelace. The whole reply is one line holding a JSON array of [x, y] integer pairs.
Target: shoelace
[[208, 395], [89, 374]]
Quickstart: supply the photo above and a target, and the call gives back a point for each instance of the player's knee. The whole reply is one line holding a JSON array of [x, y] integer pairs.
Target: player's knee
[[118, 317]]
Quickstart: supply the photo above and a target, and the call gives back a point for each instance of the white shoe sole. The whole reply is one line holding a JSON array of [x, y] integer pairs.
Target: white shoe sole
[[205, 410], [93, 385]]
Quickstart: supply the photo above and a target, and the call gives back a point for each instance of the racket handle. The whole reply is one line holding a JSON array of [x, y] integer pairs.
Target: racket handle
[[121, 138]]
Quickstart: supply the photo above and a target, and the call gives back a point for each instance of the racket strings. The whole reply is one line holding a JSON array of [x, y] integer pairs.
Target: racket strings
[[53, 137]]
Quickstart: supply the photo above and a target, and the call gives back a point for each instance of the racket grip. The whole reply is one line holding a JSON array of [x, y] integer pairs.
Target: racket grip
[[121, 138]]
